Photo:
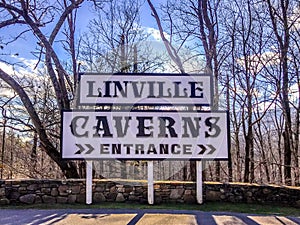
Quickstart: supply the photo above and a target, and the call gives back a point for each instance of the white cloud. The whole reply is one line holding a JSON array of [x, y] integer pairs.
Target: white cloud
[[155, 34], [7, 92], [294, 93], [259, 61], [7, 68], [23, 71], [20, 67]]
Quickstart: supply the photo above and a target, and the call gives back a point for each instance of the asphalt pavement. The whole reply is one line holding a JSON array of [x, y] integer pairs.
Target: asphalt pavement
[[134, 216]]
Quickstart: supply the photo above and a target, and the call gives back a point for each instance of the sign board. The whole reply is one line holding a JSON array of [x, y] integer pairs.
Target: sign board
[[148, 135], [144, 135], [145, 89]]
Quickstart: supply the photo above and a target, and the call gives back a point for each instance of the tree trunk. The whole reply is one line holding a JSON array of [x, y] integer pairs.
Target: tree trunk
[[3, 143], [282, 34], [249, 152], [69, 168], [193, 170]]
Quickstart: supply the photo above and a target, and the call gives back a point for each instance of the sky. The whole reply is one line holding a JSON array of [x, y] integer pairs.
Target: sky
[[20, 52], [24, 46]]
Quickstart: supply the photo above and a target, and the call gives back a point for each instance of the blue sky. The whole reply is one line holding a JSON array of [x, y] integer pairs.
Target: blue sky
[[26, 45]]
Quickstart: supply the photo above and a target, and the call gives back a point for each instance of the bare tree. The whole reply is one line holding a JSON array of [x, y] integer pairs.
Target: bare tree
[[186, 22], [37, 15], [116, 42], [281, 14]]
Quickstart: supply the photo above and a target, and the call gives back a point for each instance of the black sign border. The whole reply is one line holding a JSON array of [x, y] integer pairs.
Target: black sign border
[[78, 103], [148, 159]]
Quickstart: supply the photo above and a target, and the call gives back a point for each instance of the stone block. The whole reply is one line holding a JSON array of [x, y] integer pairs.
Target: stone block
[[222, 190], [4, 201], [133, 198], [100, 188], [81, 198], [22, 190], [99, 197], [48, 199], [176, 193], [14, 195], [188, 192], [189, 199], [46, 190], [2, 191], [54, 185], [266, 191], [45, 185], [113, 189], [62, 200], [63, 190], [139, 191], [121, 189], [120, 198], [249, 194], [223, 197], [72, 198], [75, 189], [110, 185], [32, 187], [28, 199], [54, 192], [156, 186], [38, 200], [213, 195], [145, 194], [157, 200], [128, 189], [110, 197]]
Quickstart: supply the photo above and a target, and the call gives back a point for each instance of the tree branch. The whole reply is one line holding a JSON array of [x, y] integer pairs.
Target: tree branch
[[171, 50]]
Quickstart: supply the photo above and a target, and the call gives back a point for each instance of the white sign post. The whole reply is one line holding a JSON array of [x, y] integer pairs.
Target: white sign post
[[150, 183], [89, 181], [199, 181], [155, 134]]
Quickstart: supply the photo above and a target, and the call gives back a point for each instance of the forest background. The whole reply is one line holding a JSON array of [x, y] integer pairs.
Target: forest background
[[251, 48]]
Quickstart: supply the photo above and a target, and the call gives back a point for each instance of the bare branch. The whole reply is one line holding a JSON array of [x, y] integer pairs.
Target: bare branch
[[11, 22], [171, 50]]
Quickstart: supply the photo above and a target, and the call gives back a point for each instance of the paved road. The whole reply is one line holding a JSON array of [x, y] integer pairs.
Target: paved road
[[139, 217]]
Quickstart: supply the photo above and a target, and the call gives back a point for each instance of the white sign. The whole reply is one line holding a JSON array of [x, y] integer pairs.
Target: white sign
[[144, 135], [158, 89]]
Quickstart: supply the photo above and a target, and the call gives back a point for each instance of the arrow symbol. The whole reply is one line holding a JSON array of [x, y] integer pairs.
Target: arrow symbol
[[204, 148], [91, 148], [213, 149], [82, 149]]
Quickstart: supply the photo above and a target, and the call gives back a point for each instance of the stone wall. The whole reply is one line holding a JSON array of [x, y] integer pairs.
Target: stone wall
[[73, 191]]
